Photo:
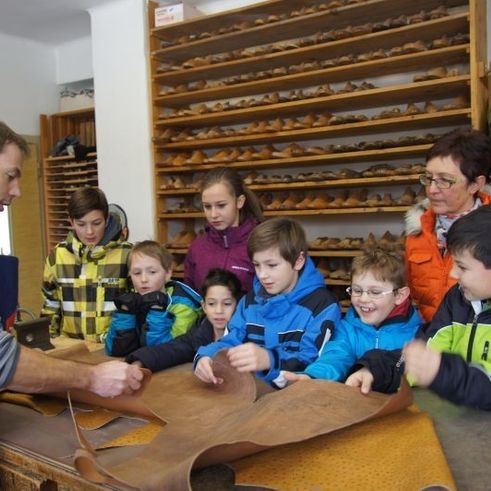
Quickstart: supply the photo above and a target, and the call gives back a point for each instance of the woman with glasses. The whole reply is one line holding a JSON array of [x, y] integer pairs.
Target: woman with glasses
[[458, 166]]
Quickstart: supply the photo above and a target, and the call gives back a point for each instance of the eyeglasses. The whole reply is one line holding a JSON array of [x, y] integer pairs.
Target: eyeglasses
[[354, 291], [440, 182]]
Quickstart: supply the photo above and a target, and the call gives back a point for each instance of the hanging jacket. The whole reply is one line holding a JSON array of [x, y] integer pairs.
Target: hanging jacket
[[427, 269], [225, 249], [174, 316], [352, 338], [180, 350], [80, 284], [292, 327]]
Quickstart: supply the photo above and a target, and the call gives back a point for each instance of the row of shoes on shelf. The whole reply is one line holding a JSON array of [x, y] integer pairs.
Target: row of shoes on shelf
[[324, 90], [313, 64], [293, 150], [332, 35], [311, 120], [387, 240], [355, 198], [378, 170], [261, 20], [335, 268]]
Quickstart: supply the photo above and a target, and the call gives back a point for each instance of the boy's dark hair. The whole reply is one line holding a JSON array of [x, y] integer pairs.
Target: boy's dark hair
[[152, 249], [85, 200], [7, 135], [222, 277], [385, 265], [234, 182], [471, 233], [284, 233], [470, 149]]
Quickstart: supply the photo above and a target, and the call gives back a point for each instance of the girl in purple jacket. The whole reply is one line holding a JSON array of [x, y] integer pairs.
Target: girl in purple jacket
[[232, 211]]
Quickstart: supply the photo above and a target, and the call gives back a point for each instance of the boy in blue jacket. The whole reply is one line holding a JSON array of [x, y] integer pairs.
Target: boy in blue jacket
[[160, 309], [456, 361], [285, 320], [380, 317]]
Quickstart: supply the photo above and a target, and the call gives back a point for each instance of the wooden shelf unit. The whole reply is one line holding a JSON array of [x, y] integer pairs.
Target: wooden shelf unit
[[63, 174], [223, 76]]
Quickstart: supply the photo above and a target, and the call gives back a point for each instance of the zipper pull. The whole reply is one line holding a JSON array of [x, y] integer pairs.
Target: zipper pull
[[484, 355]]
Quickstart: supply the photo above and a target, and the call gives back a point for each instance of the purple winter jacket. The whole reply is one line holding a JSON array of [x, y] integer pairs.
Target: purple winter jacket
[[226, 249]]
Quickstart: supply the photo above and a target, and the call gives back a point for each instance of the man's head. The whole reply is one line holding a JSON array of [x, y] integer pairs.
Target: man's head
[[88, 212], [378, 284], [278, 249], [468, 242], [13, 149]]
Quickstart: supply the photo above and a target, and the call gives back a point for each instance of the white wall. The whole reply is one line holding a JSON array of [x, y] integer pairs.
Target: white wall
[[27, 89], [27, 83], [122, 102], [74, 61]]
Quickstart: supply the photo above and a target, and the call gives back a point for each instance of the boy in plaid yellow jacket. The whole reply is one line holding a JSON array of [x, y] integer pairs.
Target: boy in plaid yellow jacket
[[87, 271]]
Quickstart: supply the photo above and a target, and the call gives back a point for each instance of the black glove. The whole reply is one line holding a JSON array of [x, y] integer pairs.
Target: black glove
[[158, 300], [128, 302]]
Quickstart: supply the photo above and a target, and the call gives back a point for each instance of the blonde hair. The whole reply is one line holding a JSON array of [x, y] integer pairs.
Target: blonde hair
[[152, 249], [385, 265]]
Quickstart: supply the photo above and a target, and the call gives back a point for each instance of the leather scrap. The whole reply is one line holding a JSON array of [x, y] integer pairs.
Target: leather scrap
[[138, 436], [47, 406], [399, 451], [214, 424], [93, 420]]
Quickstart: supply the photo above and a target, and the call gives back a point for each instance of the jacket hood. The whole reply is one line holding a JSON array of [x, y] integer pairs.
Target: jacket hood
[[232, 235], [279, 305], [110, 240], [412, 218]]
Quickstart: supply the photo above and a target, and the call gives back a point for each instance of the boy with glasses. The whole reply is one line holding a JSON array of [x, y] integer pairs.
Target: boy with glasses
[[380, 317], [456, 361]]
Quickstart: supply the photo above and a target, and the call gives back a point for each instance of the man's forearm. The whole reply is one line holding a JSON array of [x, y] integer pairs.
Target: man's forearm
[[37, 373]]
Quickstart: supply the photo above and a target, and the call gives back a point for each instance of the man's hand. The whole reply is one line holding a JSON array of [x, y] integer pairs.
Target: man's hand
[[204, 371], [114, 378], [249, 357], [362, 378], [422, 363], [295, 377]]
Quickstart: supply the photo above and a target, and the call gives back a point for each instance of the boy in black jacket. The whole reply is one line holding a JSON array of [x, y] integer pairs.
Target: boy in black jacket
[[221, 293], [455, 363]]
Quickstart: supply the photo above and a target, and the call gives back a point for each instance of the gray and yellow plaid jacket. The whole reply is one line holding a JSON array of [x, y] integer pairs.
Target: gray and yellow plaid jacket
[[80, 285]]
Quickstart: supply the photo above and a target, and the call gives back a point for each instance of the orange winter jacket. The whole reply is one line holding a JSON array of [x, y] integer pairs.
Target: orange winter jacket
[[428, 271]]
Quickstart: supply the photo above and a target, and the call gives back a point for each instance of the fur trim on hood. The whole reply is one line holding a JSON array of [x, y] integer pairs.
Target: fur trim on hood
[[412, 218]]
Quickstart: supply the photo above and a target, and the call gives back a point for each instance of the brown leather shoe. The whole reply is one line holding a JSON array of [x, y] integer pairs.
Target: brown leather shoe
[[430, 107], [305, 203], [356, 198], [339, 200], [197, 157], [318, 243], [407, 198], [412, 109], [219, 157], [459, 102], [320, 203], [291, 201]]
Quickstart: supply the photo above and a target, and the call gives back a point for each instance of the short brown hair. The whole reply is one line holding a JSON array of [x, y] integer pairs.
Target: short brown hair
[[85, 200], [385, 265], [284, 233], [152, 249], [7, 135]]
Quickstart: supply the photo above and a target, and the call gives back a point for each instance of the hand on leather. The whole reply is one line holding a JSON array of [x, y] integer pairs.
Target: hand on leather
[[154, 300], [249, 357], [362, 378], [204, 371], [114, 378], [129, 302], [295, 377], [421, 362]]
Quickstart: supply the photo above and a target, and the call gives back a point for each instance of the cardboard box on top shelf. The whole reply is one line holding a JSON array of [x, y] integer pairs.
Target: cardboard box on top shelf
[[170, 14]]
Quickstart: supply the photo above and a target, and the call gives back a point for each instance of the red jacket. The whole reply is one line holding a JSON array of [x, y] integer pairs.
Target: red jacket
[[428, 271]]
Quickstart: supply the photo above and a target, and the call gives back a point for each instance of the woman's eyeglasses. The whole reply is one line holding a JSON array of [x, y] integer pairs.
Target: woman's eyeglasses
[[354, 291], [440, 182]]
